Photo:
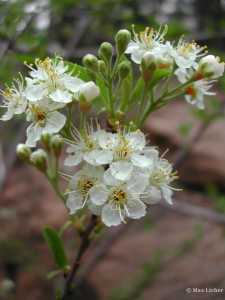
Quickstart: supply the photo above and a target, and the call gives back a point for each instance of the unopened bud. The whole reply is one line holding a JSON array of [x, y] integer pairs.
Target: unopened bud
[[124, 69], [210, 66], [105, 51], [91, 62], [23, 152], [102, 67], [39, 159], [122, 38], [46, 140], [89, 91], [57, 144], [148, 66], [147, 60]]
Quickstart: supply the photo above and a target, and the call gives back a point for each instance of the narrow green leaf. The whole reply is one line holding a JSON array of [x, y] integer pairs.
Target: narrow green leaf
[[138, 90], [56, 246]]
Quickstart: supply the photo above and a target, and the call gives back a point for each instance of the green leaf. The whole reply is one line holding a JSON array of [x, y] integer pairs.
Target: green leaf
[[79, 71], [138, 90], [56, 246], [125, 90]]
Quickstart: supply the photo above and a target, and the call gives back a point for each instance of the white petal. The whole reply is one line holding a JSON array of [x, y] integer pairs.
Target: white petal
[[137, 55], [74, 159], [110, 216], [98, 194], [167, 194], [109, 179], [74, 202], [136, 140], [121, 170], [136, 208], [152, 195], [138, 182], [132, 47], [54, 122], [7, 115], [103, 157], [141, 161], [61, 96], [107, 140], [73, 84], [35, 92], [96, 210], [33, 134]]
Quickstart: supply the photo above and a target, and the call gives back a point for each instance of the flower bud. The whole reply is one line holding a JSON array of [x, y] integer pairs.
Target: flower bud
[[46, 140], [39, 159], [102, 67], [122, 38], [23, 152], [57, 144], [148, 66], [147, 60], [210, 66], [124, 69], [91, 62], [105, 51], [89, 91]]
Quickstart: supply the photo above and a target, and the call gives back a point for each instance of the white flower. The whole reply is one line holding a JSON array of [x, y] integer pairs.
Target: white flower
[[85, 147], [45, 119], [14, 100], [89, 91], [195, 93], [160, 175], [50, 78], [119, 199], [129, 152], [186, 54], [197, 90], [80, 187], [211, 66], [148, 40]]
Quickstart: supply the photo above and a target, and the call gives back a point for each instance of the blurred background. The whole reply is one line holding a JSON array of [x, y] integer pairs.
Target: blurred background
[[173, 248]]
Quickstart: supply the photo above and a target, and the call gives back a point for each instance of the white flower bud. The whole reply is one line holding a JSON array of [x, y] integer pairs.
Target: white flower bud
[[148, 59], [89, 91], [211, 66], [57, 144], [39, 159], [23, 151]]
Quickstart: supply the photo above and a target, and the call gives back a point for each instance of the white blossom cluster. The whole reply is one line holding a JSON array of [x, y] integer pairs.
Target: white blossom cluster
[[119, 175], [48, 89], [189, 61]]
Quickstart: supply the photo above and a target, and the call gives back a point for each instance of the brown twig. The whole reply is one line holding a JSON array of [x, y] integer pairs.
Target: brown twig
[[85, 243]]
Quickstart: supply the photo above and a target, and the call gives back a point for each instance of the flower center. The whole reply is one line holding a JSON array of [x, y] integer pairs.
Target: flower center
[[191, 91], [84, 185], [158, 177], [119, 197], [123, 150]]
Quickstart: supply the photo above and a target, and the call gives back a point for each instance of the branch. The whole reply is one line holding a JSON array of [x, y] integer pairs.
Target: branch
[[85, 243]]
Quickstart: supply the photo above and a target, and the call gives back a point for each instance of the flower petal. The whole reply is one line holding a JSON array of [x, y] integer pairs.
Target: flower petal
[[152, 195], [121, 170], [54, 122], [167, 194], [74, 202], [98, 194], [110, 216], [136, 208], [61, 96], [33, 134]]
